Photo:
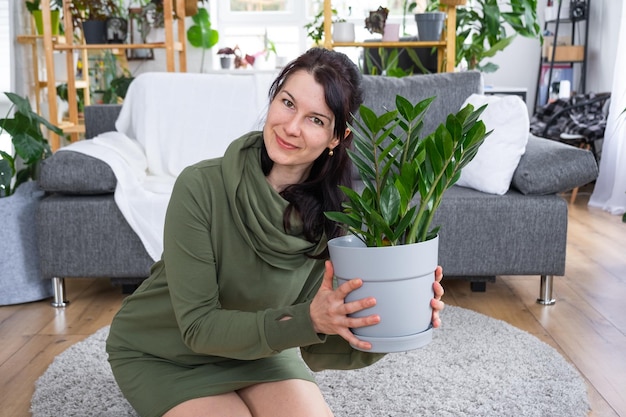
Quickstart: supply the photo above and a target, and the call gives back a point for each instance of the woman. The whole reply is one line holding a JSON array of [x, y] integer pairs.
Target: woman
[[242, 281]]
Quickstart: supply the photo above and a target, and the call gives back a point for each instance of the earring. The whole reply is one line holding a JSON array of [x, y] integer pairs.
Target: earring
[[331, 153]]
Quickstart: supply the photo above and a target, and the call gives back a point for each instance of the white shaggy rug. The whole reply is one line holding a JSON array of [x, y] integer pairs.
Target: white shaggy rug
[[476, 366]]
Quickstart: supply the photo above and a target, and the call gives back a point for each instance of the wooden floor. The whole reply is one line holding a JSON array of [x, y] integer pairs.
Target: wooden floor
[[587, 325]]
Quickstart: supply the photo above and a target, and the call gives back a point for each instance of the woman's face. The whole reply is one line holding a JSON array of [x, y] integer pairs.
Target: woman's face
[[299, 126]]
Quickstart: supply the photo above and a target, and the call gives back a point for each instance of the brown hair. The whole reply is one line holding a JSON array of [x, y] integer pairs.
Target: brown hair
[[341, 81]]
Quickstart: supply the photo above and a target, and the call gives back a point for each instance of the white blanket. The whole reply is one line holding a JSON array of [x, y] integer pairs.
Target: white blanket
[[169, 121]]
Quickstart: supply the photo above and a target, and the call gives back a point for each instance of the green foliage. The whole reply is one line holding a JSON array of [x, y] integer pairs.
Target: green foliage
[[315, 29], [481, 28], [31, 146], [200, 34], [481, 31], [82, 10], [396, 166], [387, 62], [33, 5], [113, 80]]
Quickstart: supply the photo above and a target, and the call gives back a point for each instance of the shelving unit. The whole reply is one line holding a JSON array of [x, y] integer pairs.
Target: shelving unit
[[445, 47], [174, 45], [548, 63]]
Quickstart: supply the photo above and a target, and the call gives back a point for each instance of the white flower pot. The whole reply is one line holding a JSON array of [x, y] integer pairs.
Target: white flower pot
[[400, 278], [343, 32]]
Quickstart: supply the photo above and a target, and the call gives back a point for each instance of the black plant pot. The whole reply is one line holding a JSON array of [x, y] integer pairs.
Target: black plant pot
[[95, 31]]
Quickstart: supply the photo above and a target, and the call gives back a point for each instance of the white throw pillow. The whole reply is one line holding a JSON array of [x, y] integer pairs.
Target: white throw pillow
[[492, 168]]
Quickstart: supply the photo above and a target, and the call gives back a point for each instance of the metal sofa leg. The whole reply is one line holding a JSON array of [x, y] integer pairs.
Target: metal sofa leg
[[545, 291], [58, 286]]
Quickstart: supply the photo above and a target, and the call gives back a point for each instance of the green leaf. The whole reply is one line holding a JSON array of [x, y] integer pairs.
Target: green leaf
[[200, 34], [390, 204]]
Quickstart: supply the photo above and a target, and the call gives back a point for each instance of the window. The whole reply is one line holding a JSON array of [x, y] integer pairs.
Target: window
[[258, 11], [258, 5], [250, 24]]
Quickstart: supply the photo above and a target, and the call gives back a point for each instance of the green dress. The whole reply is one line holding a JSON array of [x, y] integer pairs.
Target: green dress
[[227, 305]]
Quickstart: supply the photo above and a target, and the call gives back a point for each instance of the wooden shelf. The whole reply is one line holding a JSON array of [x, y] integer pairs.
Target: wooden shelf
[[64, 47], [446, 47], [399, 44], [174, 47]]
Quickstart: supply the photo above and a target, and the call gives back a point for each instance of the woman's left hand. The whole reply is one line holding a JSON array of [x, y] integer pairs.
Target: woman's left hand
[[436, 302]]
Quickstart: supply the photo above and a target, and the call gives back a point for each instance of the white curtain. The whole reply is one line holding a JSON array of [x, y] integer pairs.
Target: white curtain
[[610, 190]]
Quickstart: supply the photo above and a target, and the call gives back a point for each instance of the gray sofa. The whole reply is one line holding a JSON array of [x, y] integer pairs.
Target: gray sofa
[[83, 234]]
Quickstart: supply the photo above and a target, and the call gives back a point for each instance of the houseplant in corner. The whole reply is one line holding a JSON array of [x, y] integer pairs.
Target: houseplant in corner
[[19, 275], [486, 27], [404, 178]]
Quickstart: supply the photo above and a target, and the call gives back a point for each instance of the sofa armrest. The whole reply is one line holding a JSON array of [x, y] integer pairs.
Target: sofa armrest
[[550, 167], [70, 172], [100, 118]]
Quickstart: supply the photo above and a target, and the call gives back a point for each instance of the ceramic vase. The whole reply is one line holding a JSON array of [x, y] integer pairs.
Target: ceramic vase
[[391, 33], [400, 278], [343, 32]]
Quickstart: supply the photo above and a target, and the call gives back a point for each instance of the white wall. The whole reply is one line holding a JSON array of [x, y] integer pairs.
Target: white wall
[[5, 68]]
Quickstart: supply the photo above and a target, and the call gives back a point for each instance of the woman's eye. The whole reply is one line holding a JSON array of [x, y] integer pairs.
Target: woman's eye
[[287, 103], [317, 121]]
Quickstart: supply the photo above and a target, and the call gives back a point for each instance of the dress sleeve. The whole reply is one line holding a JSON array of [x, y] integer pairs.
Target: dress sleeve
[[190, 265]]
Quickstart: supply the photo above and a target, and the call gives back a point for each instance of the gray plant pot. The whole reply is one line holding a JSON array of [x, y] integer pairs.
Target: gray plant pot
[[429, 25], [400, 278], [226, 62], [20, 276]]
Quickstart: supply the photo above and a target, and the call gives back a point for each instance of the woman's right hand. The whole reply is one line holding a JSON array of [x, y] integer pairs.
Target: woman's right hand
[[329, 311]]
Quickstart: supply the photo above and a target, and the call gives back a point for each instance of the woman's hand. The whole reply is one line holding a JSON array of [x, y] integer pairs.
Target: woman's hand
[[329, 312], [436, 302]]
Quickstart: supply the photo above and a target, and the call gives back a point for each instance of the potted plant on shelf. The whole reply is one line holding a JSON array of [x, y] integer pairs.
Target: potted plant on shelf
[[429, 22], [404, 179], [315, 28], [19, 197], [34, 7], [91, 16], [227, 55]]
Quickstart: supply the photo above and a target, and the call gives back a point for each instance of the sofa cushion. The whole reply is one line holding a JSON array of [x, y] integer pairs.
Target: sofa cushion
[[492, 168], [550, 167], [450, 90], [72, 172]]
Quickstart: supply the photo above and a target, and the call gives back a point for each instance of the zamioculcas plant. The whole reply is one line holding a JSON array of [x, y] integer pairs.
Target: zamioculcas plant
[[395, 166]]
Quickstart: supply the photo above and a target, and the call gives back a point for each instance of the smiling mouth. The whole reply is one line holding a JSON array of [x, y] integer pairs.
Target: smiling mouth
[[285, 145]]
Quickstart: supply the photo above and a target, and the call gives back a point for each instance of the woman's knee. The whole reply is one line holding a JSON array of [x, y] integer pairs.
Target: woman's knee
[[229, 404], [290, 398]]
